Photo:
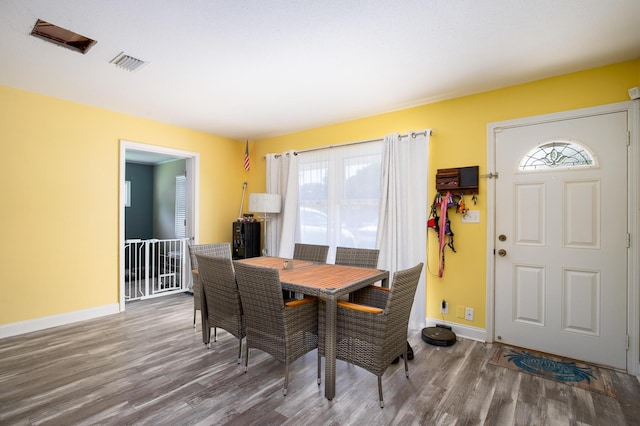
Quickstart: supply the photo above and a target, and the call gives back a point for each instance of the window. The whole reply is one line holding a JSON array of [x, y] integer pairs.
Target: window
[[181, 207], [339, 194], [127, 193], [557, 155]]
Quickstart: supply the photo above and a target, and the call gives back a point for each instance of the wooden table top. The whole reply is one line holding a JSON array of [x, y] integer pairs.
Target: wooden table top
[[275, 262], [321, 278]]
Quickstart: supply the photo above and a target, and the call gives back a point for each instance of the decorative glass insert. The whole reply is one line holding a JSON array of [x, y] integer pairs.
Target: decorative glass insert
[[557, 155]]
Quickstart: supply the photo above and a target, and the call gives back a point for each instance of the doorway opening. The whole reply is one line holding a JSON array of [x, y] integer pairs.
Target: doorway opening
[[158, 217]]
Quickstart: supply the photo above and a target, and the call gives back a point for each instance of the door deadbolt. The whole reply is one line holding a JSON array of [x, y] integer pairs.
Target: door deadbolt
[[502, 237], [502, 252]]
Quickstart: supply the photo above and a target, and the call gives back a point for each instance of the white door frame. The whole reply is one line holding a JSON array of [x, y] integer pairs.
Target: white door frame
[[193, 170], [633, 255]]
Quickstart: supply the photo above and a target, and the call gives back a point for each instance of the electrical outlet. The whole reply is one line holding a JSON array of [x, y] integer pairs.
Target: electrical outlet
[[444, 307], [471, 216], [468, 314]]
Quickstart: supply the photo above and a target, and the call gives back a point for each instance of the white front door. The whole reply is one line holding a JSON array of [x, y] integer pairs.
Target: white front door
[[561, 237]]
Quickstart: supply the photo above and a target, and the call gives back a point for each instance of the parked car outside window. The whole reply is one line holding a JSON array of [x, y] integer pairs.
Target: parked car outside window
[[314, 225]]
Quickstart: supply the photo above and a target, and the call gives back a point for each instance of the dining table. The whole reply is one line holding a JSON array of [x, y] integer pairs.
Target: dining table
[[327, 281]]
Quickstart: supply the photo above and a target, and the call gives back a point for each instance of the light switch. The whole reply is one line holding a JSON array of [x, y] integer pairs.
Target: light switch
[[472, 216]]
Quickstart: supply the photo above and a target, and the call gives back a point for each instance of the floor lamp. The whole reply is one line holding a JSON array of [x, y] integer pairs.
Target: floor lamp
[[264, 203]]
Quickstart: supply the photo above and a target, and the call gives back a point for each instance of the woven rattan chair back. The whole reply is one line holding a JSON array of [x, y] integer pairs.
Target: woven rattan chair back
[[224, 308], [399, 303], [217, 250], [286, 333], [261, 294], [363, 258], [373, 340], [311, 252]]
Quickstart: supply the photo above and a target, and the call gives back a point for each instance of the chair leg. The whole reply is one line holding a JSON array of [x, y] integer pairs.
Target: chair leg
[[194, 317], [215, 334], [240, 351], [406, 365], [319, 369], [380, 391], [286, 378], [246, 357]]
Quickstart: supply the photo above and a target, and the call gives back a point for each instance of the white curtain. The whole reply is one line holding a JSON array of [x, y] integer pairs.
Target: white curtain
[[282, 178], [402, 230]]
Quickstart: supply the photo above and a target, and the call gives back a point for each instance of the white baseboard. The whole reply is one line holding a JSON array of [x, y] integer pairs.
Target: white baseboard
[[22, 327], [473, 333]]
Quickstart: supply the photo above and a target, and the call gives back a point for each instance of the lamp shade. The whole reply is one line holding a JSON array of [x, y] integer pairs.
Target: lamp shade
[[264, 203]]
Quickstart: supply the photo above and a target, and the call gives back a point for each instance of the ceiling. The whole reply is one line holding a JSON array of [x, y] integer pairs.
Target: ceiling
[[249, 69]]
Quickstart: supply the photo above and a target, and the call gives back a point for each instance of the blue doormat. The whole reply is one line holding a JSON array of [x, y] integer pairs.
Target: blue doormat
[[552, 367]]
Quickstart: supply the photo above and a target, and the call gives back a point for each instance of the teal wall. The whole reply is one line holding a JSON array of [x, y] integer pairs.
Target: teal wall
[[139, 217]]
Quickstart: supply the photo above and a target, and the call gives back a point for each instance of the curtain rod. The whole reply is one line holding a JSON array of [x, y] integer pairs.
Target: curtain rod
[[427, 132]]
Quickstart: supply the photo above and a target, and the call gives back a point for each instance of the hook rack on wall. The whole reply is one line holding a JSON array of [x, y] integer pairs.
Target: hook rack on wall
[[459, 180]]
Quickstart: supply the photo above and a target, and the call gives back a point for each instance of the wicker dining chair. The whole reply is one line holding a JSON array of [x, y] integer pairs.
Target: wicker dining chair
[[311, 252], [224, 308], [372, 330], [363, 258], [218, 250], [286, 331]]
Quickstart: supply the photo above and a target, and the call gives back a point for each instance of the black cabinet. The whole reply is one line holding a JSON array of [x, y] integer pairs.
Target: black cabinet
[[246, 239]]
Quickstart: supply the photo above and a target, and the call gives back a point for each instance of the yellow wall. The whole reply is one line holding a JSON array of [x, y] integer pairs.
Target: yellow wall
[[459, 139], [60, 180], [59, 183]]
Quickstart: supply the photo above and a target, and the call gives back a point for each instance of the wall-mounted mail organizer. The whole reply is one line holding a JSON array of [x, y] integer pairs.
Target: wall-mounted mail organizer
[[459, 180]]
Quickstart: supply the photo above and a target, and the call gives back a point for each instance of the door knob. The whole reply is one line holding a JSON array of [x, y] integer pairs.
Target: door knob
[[502, 252]]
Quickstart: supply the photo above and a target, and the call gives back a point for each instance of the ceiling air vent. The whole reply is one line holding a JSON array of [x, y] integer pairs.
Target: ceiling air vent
[[127, 62], [65, 38]]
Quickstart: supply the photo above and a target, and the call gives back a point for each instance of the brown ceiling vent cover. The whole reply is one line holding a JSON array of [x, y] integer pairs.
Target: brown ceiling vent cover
[[61, 37], [127, 62]]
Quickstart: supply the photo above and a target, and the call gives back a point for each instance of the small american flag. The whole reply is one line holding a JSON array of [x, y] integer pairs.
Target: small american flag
[[247, 166]]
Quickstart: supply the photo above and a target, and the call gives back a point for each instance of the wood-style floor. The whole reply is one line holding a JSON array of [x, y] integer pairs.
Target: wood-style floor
[[149, 366]]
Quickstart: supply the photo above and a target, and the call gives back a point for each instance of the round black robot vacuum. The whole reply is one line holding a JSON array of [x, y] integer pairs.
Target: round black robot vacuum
[[438, 336]]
